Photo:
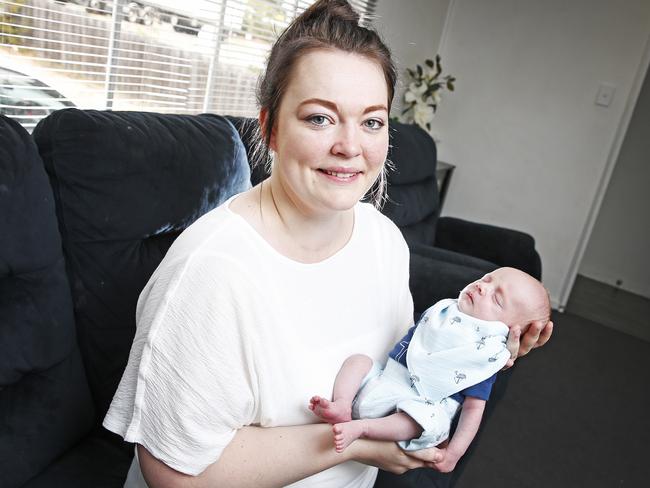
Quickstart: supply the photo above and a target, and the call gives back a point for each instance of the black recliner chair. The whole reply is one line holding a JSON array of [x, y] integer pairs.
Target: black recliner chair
[[446, 252]]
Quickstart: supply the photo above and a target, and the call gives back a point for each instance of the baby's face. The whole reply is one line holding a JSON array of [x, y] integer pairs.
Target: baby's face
[[506, 294]]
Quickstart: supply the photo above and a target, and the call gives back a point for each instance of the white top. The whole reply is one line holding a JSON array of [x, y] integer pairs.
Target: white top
[[232, 333]]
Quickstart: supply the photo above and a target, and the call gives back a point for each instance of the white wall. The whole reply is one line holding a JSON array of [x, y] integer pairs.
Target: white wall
[[530, 145], [412, 29], [619, 247]]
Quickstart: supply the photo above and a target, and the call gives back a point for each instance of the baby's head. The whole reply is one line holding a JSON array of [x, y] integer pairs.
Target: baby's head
[[507, 295]]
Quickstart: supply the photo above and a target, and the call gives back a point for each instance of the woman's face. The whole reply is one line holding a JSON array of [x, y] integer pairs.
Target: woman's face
[[331, 133]]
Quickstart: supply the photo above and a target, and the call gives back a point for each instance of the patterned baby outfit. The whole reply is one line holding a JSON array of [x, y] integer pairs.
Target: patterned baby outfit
[[445, 353]]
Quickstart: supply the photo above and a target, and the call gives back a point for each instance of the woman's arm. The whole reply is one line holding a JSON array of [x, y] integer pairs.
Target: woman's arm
[[277, 456]]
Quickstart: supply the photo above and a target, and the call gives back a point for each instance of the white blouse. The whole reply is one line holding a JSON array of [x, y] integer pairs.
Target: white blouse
[[231, 333]]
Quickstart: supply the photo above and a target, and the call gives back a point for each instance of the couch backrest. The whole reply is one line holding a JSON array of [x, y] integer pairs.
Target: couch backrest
[[44, 396], [412, 185], [126, 184]]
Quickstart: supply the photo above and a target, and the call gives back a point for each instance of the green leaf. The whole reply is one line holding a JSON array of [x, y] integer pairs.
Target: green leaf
[[429, 63], [420, 72], [438, 66], [410, 72], [450, 86]]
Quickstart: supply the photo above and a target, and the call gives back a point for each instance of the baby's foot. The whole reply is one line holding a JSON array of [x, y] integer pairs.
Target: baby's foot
[[330, 412], [346, 433]]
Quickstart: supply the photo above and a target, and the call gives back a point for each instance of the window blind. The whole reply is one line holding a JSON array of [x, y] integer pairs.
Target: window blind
[[161, 55]]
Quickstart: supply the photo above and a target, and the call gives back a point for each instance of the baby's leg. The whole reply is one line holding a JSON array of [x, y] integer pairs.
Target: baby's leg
[[346, 385], [396, 427]]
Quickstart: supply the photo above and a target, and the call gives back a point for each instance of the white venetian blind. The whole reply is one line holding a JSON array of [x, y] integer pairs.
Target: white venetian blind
[[187, 56]]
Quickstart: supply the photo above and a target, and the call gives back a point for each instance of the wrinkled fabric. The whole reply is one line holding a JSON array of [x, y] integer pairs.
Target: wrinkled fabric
[[449, 351], [232, 333]]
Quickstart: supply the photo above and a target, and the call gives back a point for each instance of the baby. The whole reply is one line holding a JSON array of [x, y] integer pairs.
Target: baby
[[445, 364]]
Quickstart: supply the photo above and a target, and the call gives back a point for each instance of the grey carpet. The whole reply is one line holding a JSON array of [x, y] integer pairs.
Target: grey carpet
[[576, 414]]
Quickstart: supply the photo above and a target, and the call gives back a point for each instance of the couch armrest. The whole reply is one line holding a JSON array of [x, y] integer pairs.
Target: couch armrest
[[504, 247]]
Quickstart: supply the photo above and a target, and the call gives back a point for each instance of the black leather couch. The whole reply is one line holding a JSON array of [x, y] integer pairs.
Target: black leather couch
[[88, 207]]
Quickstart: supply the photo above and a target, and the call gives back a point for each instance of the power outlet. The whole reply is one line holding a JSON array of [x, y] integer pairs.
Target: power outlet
[[605, 94]]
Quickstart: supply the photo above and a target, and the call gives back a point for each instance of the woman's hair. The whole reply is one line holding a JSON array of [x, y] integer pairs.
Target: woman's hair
[[327, 24]]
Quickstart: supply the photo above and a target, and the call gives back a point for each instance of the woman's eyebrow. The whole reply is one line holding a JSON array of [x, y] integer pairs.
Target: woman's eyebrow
[[334, 107], [374, 108], [320, 101]]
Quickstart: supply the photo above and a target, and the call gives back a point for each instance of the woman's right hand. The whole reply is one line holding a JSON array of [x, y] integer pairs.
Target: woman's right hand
[[388, 456]]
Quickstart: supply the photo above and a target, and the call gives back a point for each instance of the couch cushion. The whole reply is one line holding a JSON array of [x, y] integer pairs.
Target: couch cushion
[[94, 462], [412, 186], [45, 405], [126, 184], [249, 129]]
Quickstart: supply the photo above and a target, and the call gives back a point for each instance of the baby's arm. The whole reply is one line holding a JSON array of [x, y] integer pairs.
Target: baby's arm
[[468, 424]]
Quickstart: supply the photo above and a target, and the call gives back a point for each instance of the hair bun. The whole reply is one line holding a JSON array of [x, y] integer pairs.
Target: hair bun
[[339, 9]]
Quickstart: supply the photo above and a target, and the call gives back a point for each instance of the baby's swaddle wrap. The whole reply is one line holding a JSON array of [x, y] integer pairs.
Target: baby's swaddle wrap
[[449, 351]]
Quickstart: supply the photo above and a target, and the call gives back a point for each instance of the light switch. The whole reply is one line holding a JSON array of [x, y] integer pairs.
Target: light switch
[[605, 94]]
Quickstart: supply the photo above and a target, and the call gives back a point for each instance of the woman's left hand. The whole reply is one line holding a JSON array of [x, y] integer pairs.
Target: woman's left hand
[[388, 456], [432, 457], [537, 335]]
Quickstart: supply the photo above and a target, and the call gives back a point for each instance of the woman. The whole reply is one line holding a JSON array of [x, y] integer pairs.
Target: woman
[[257, 303]]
